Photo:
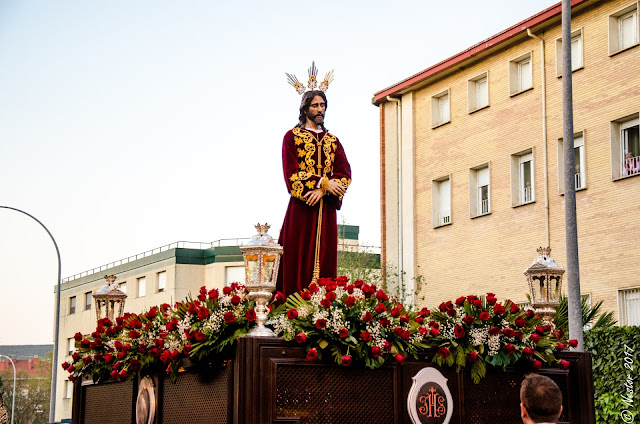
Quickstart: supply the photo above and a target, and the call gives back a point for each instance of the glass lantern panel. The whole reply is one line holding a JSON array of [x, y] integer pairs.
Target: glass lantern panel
[[269, 262], [252, 269], [542, 294]]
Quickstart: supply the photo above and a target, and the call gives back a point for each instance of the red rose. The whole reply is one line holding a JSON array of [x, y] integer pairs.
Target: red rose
[[514, 309], [346, 360], [444, 352], [561, 346], [517, 334], [424, 312], [509, 348], [108, 358], [87, 360], [200, 336], [350, 288], [85, 343], [451, 312], [535, 337], [203, 290], [434, 332], [301, 337], [159, 343], [491, 296], [381, 296], [343, 332], [292, 314], [400, 359], [376, 351], [521, 322], [203, 313], [494, 331], [226, 291], [528, 352], [507, 332], [313, 288], [152, 313], [442, 307], [312, 354], [529, 313], [397, 331], [213, 294], [114, 375], [358, 283], [350, 301], [142, 348], [365, 336], [540, 329], [321, 323], [477, 303], [405, 335], [306, 295], [459, 332], [471, 297], [330, 295], [133, 334], [153, 352], [564, 364], [187, 349], [367, 317], [419, 320], [279, 297], [499, 309], [469, 320], [134, 364], [122, 374], [472, 356], [573, 343], [326, 303], [386, 346], [78, 337], [537, 364], [434, 324], [65, 365], [229, 317], [165, 356], [122, 354], [380, 308], [484, 316], [404, 319], [75, 356], [559, 333], [423, 330], [172, 325], [235, 300], [251, 315], [395, 312], [368, 290], [385, 322], [460, 300]]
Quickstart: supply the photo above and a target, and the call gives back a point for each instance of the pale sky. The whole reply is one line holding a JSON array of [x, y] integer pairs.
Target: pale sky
[[125, 126]]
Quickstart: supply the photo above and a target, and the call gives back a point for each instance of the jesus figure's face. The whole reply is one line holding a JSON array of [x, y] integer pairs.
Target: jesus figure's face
[[316, 111]]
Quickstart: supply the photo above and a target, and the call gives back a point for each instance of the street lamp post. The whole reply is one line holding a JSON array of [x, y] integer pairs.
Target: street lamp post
[[13, 402], [54, 365]]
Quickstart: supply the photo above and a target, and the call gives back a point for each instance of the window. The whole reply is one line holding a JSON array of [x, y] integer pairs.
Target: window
[[577, 55], [441, 201], [479, 191], [522, 181], [71, 343], [234, 274], [580, 174], [88, 298], [629, 306], [520, 74], [440, 112], [142, 286], [162, 281], [478, 92], [123, 287], [625, 147], [68, 389], [72, 305], [623, 29]]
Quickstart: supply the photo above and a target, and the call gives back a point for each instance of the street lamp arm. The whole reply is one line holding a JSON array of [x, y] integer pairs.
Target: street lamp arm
[[54, 365]]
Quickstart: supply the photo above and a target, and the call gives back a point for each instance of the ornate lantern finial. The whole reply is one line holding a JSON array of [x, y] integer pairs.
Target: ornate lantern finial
[[545, 284], [261, 261], [110, 297]]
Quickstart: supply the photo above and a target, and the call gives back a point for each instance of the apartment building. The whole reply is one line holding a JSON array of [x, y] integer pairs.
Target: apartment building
[[472, 160]]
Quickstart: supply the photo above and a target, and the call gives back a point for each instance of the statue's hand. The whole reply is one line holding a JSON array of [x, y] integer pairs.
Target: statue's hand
[[313, 196], [335, 188]]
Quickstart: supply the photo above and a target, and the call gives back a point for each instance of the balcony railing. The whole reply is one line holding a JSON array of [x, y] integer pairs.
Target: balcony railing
[[526, 195], [176, 245], [631, 166], [444, 218]]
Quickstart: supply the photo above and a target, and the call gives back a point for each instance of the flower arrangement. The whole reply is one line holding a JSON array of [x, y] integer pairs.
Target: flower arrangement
[[353, 322], [164, 335], [479, 332]]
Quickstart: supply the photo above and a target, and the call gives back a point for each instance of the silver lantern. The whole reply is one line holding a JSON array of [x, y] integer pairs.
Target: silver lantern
[[261, 261], [545, 284]]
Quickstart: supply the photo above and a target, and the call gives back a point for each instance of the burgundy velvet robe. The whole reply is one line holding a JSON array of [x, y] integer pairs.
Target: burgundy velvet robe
[[306, 157]]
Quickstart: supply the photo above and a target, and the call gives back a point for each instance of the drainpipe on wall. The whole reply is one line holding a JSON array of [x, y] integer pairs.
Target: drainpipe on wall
[[399, 167], [544, 133]]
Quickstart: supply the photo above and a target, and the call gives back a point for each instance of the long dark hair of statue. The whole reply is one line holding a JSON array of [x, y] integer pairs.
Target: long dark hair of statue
[[304, 106]]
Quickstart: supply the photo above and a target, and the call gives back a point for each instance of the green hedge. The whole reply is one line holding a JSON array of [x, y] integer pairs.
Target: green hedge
[[616, 366]]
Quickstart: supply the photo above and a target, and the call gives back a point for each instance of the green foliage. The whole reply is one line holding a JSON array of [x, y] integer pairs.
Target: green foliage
[[589, 315], [32, 392], [615, 368]]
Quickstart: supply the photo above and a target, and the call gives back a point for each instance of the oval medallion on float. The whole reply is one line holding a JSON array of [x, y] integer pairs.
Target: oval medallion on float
[[429, 400]]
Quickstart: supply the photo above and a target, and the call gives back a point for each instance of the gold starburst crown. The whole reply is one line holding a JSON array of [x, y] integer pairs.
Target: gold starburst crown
[[313, 80]]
